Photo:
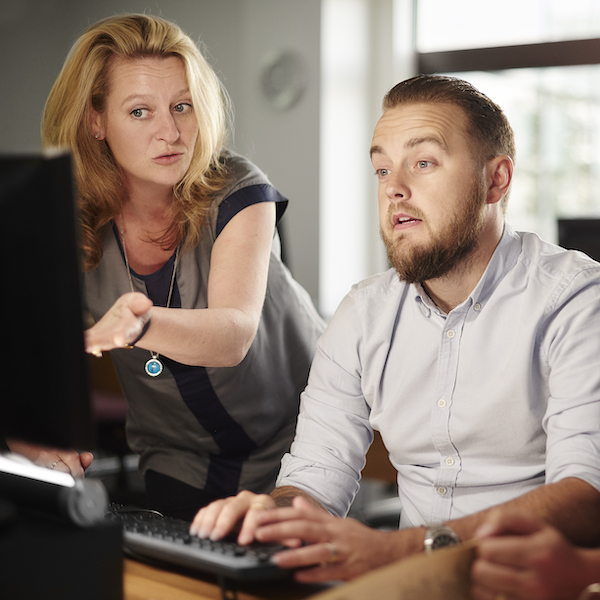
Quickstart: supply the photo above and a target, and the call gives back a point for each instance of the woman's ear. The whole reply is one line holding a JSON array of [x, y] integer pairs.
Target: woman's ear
[[96, 124], [499, 173]]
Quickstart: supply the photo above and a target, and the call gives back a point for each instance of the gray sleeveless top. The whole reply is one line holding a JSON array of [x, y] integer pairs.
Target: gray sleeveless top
[[218, 429]]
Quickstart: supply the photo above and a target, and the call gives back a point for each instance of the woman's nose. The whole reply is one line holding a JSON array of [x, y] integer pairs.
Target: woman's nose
[[167, 129]]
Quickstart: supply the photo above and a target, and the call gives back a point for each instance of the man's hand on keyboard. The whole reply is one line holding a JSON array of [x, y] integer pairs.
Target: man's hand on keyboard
[[332, 548], [321, 547], [221, 517]]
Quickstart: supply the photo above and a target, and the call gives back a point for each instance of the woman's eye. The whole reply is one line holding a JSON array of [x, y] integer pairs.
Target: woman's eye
[[138, 113], [423, 164], [182, 107]]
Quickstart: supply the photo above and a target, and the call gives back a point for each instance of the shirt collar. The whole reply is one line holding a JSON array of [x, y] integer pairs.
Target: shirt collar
[[426, 304], [502, 261]]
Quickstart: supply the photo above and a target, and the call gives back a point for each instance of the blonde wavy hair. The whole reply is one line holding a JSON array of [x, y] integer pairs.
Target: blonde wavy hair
[[83, 84]]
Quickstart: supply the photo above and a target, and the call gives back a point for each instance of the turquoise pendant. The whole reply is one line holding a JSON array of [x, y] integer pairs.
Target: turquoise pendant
[[154, 367]]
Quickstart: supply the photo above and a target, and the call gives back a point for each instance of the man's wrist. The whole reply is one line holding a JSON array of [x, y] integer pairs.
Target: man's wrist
[[285, 494], [407, 542], [439, 535]]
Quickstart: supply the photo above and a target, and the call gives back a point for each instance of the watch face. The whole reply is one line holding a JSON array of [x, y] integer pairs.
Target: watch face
[[441, 540]]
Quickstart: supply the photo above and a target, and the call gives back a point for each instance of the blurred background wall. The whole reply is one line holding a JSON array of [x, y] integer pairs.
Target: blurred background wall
[[307, 77], [246, 41]]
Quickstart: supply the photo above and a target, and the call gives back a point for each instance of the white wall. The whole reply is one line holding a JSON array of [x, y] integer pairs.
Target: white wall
[[35, 36]]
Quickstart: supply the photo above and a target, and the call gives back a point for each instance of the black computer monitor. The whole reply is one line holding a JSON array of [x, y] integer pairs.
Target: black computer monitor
[[580, 234], [43, 368]]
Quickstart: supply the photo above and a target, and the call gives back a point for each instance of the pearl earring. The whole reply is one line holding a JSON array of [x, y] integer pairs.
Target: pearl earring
[[97, 135]]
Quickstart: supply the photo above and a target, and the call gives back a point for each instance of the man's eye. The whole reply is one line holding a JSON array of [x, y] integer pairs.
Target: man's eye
[[423, 164], [382, 172]]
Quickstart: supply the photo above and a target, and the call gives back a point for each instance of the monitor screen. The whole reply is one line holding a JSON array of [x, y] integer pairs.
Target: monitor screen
[[580, 234], [45, 392]]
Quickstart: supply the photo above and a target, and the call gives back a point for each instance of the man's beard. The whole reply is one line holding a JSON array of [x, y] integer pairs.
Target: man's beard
[[448, 248]]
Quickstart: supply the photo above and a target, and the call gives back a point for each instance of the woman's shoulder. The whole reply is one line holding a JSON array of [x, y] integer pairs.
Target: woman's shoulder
[[240, 173]]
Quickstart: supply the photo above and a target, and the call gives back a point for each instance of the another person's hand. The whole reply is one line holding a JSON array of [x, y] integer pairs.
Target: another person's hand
[[326, 548], [69, 461], [222, 516], [520, 557], [121, 325]]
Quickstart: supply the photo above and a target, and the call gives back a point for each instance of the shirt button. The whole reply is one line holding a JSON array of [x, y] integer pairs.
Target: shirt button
[[449, 461], [442, 491], [450, 333], [477, 306], [441, 403]]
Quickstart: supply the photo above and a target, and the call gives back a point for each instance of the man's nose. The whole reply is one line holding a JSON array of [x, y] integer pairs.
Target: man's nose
[[396, 188]]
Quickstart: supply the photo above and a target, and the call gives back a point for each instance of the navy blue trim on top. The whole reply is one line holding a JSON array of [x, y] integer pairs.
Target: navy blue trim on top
[[253, 194], [157, 283], [225, 469]]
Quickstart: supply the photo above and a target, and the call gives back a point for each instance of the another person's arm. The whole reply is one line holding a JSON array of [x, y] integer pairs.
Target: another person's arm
[[522, 557], [220, 335], [69, 461]]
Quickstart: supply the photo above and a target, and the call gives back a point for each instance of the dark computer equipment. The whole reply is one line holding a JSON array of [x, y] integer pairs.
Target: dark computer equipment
[[52, 532], [45, 397], [580, 234]]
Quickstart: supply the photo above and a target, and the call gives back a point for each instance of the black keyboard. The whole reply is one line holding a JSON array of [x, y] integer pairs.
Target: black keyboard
[[149, 535]]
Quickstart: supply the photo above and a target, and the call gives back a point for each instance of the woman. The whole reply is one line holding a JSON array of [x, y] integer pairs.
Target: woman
[[171, 220]]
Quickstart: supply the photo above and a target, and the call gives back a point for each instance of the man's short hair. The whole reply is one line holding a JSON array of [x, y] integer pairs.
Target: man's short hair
[[489, 128]]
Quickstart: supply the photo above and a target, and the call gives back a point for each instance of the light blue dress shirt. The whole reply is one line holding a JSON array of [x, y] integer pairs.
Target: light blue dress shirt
[[476, 406]]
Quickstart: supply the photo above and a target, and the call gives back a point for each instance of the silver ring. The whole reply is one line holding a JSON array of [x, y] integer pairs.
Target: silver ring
[[54, 463], [333, 553]]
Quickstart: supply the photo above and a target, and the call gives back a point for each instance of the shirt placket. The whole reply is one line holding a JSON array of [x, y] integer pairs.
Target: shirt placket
[[449, 459]]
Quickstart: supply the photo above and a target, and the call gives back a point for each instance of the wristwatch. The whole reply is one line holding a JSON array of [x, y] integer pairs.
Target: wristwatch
[[439, 535]]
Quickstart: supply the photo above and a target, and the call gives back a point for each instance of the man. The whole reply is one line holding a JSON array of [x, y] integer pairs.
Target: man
[[475, 356]]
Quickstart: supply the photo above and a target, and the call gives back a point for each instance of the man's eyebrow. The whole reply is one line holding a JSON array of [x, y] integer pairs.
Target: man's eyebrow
[[376, 150], [414, 142], [428, 139]]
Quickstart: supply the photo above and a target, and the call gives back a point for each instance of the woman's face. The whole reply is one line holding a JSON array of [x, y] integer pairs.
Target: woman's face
[[148, 122]]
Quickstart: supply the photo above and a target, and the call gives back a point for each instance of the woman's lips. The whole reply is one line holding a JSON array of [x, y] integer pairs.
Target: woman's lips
[[168, 159]]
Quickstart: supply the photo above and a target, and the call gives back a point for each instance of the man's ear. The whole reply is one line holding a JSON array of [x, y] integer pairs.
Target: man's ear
[[499, 173]]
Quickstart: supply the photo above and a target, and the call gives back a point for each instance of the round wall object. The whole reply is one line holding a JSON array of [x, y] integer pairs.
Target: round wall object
[[283, 79]]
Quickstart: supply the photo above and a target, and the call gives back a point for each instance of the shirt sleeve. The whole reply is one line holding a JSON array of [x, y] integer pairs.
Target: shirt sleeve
[[247, 196], [333, 431], [572, 345]]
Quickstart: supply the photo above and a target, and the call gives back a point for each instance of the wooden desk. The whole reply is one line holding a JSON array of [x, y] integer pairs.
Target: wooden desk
[[441, 575], [145, 582]]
